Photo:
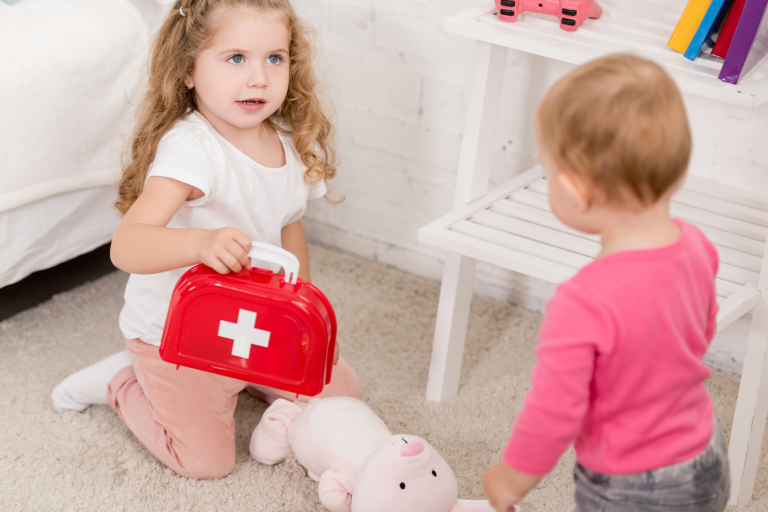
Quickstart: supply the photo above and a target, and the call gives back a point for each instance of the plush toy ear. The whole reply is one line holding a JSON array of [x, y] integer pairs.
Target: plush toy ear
[[477, 506]]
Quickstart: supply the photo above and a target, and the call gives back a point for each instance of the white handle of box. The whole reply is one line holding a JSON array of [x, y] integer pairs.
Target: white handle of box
[[273, 254]]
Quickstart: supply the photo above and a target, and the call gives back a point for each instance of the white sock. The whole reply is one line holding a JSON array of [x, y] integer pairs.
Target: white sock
[[89, 385]]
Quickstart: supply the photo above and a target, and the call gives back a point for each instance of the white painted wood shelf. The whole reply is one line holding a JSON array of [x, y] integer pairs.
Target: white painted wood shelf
[[513, 227], [626, 26]]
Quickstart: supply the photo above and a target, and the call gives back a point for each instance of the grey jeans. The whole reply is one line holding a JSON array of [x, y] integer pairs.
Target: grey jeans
[[698, 485]]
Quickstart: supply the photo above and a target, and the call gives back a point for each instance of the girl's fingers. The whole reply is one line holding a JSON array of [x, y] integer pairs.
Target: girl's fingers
[[218, 266], [237, 251], [231, 262], [242, 240]]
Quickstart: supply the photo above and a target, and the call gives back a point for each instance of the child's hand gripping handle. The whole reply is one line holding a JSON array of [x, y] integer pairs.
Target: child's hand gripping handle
[[273, 254]]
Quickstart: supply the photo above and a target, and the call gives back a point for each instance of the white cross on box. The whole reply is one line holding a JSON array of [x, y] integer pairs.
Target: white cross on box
[[244, 334]]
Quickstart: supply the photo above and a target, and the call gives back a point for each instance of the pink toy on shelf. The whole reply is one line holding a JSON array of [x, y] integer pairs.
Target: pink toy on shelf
[[571, 13]]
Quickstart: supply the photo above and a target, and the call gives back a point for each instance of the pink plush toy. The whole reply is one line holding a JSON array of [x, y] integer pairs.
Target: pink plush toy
[[360, 465]]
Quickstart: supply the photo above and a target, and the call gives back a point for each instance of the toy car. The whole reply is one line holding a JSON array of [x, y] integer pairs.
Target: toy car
[[571, 13]]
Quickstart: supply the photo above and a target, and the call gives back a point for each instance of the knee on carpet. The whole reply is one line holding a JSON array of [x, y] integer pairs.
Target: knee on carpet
[[208, 466]]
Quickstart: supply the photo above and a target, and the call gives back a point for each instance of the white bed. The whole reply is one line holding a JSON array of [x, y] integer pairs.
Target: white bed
[[71, 72]]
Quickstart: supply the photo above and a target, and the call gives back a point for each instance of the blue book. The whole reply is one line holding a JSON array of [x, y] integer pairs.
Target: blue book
[[711, 23]]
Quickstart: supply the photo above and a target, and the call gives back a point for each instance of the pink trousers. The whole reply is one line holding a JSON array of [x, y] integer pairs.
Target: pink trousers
[[185, 417]]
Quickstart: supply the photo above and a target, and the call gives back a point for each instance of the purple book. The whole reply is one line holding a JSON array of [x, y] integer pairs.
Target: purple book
[[750, 42]]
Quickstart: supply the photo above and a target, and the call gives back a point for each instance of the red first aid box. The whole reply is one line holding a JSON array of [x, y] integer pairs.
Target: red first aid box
[[270, 329]]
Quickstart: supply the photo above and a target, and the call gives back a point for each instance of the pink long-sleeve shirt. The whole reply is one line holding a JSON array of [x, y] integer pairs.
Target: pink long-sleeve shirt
[[619, 370]]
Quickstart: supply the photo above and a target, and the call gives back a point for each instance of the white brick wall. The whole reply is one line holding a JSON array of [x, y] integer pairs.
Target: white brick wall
[[400, 86]]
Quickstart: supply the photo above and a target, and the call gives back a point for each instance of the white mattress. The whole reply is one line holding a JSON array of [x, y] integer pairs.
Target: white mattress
[[61, 137], [66, 95], [50, 231]]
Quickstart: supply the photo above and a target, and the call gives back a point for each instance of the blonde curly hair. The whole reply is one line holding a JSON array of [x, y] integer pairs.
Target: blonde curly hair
[[174, 51]]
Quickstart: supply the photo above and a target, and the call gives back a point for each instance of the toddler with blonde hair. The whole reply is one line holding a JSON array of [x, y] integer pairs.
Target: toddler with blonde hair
[[619, 371], [230, 143]]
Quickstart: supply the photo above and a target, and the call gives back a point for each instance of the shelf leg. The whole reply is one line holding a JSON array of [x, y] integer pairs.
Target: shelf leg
[[480, 123], [451, 328], [471, 183], [751, 410]]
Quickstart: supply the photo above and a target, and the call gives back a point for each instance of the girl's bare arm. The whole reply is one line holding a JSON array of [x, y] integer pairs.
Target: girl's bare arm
[[142, 243], [294, 240]]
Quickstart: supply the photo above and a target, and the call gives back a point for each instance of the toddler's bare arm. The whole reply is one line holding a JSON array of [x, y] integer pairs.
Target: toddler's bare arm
[[504, 486]]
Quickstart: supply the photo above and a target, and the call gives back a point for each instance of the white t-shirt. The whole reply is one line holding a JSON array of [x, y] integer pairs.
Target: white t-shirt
[[238, 192]]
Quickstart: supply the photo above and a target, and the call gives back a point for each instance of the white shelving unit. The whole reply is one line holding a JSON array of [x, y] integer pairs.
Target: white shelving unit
[[513, 227], [626, 26]]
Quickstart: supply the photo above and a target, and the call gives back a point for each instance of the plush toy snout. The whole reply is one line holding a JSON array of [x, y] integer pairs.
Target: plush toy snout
[[411, 450]]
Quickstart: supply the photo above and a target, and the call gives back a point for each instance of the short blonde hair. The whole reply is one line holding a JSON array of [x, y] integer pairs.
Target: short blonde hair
[[619, 121]]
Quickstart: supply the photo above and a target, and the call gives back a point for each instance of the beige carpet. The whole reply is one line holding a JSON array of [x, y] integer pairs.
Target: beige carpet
[[91, 462]]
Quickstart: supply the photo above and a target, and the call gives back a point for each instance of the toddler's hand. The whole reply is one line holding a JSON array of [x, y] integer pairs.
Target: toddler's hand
[[499, 487], [225, 250]]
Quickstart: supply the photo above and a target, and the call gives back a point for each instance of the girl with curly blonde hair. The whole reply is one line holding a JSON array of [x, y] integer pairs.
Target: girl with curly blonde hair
[[230, 142]]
